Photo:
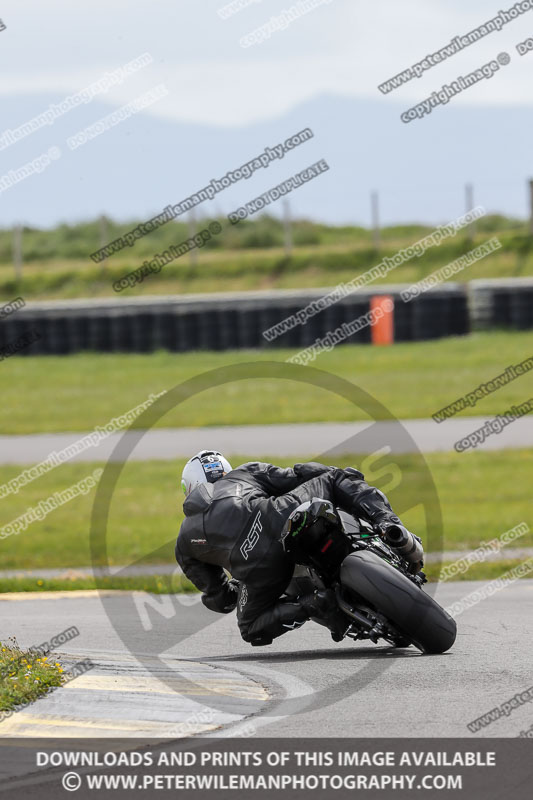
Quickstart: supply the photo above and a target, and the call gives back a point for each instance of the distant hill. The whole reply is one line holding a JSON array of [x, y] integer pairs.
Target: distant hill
[[138, 167]]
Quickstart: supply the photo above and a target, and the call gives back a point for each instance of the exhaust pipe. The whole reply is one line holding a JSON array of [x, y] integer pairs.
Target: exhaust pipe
[[405, 543]]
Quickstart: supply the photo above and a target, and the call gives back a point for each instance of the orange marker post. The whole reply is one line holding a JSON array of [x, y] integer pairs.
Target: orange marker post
[[382, 308]]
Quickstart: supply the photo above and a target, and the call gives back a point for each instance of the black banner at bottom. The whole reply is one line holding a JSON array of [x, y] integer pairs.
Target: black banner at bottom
[[195, 768]]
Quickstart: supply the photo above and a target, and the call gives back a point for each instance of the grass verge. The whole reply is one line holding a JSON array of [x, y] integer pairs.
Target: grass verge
[[171, 584], [412, 380]]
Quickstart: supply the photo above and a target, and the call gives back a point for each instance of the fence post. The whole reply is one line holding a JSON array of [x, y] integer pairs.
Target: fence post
[[374, 202], [192, 230], [17, 251], [531, 206], [287, 226], [103, 236], [469, 193]]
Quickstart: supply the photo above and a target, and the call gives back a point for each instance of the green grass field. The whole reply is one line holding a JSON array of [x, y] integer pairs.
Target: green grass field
[[412, 380], [480, 496], [247, 256], [250, 270]]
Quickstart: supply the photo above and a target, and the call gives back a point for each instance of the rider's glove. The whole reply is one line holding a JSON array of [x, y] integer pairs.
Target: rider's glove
[[223, 601]]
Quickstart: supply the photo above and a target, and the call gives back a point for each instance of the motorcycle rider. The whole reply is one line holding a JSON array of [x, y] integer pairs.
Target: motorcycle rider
[[233, 521]]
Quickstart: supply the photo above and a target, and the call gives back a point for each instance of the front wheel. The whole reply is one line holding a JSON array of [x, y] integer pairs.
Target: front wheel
[[412, 612]]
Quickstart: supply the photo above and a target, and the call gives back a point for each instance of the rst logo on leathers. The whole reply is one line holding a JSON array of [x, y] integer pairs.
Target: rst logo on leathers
[[252, 538]]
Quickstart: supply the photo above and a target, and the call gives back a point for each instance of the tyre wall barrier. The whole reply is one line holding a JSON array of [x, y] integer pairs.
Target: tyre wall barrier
[[502, 304], [224, 322]]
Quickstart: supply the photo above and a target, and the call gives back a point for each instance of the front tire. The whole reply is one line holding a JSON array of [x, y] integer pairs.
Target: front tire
[[415, 614]]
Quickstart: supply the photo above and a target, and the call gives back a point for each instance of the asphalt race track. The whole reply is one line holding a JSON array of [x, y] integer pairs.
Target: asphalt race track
[[336, 438], [303, 684]]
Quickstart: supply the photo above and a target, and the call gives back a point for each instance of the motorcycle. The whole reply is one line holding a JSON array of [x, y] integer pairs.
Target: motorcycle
[[374, 583]]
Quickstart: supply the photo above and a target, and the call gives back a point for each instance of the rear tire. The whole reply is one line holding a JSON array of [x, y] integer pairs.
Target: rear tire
[[413, 613]]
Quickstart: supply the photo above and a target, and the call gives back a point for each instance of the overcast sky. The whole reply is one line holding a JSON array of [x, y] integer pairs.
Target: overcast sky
[[344, 46], [322, 71]]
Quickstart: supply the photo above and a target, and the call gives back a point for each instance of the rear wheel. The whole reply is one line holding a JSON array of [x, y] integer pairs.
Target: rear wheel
[[413, 613]]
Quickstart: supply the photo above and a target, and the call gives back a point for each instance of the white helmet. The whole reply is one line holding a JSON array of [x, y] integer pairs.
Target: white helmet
[[207, 466]]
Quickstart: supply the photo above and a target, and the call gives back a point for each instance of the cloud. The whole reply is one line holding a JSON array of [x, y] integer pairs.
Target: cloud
[[346, 47]]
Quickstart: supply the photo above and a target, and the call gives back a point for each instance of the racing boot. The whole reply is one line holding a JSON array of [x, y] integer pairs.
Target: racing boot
[[321, 606]]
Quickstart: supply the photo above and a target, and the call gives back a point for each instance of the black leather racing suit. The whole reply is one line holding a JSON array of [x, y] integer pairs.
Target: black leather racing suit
[[235, 525]]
